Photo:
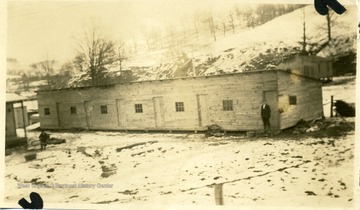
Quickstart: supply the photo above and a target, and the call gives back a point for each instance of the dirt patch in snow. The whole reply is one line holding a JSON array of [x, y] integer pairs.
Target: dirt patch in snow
[[325, 128]]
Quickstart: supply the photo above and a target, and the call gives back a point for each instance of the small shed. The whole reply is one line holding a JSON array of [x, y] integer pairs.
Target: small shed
[[311, 66], [231, 101], [16, 118]]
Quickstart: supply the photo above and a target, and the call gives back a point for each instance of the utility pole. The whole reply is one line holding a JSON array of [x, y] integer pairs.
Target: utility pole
[[304, 33]]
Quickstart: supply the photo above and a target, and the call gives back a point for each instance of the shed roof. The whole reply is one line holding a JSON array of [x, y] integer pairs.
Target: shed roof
[[313, 58], [14, 98], [177, 78]]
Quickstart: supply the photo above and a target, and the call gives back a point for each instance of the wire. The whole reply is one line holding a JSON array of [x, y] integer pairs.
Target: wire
[[40, 12]]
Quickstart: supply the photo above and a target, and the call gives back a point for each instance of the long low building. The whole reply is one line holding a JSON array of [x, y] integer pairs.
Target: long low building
[[231, 101]]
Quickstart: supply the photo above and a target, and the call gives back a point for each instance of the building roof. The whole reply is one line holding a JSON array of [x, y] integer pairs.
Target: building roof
[[14, 98], [313, 58], [177, 78]]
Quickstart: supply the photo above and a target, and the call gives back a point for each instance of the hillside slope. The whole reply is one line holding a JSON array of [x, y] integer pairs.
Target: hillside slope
[[262, 47]]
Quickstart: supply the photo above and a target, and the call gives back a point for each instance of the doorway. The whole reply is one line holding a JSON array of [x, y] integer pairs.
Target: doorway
[[88, 113], [203, 110], [271, 98], [121, 113], [158, 111]]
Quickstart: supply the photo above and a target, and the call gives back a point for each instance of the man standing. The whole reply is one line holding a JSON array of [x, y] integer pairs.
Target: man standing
[[43, 138], [265, 116]]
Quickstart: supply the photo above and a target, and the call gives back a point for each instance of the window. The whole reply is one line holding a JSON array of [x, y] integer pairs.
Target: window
[[228, 105], [138, 108], [103, 109], [179, 106], [292, 100], [73, 110], [47, 111]]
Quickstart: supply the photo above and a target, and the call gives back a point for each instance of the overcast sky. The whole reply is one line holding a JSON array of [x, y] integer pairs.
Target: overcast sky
[[37, 30]]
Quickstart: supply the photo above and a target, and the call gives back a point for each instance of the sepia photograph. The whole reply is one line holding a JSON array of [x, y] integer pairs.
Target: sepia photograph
[[180, 103]]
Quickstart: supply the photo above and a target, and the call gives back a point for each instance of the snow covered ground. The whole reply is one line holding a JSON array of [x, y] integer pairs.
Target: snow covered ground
[[181, 169]]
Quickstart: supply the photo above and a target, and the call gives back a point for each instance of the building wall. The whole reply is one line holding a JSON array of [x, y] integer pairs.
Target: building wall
[[10, 121], [20, 113], [308, 93], [309, 66], [202, 97], [69, 120], [294, 65], [49, 120]]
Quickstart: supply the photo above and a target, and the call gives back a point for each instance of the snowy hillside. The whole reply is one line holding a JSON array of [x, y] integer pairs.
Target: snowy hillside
[[262, 47]]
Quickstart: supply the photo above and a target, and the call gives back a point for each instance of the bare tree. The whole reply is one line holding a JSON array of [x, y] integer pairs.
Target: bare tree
[[212, 26], [171, 34], [121, 54], [153, 37], [25, 82], [232, 23], [224, 27], [147, 36], [134, 44], [330, 22], [185, 29], [45, 69], [95, 54], [65, 74], [195, 20]]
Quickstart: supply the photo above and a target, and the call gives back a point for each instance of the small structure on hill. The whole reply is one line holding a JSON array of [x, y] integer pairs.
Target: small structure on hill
[[311, 66]]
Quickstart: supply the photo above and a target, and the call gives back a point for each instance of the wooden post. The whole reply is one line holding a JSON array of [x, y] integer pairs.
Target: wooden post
[[219, 194], [23, 114], [331, 106]]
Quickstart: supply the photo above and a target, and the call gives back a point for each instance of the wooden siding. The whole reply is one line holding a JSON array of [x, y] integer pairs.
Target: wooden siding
[[202, 98], [68, 120], [308, 93], [314, 67], [143, 120], [51, 120], [158, 99], [10, 121], [21, 117]]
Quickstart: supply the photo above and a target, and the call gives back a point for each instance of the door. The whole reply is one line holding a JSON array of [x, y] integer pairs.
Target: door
[[88, 113], [121, 112], [271, 98], [10, 121], [203, 110], [58, 113], [158, 111]]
